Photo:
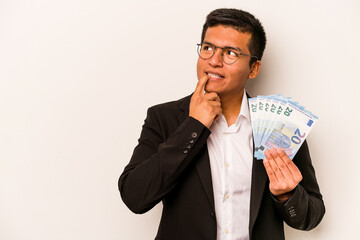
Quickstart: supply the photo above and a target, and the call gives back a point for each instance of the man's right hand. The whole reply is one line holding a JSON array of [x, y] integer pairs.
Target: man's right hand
[[205, 107]]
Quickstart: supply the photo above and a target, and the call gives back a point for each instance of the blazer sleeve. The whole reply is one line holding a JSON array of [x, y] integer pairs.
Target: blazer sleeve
[[159, 159], [305, 208]]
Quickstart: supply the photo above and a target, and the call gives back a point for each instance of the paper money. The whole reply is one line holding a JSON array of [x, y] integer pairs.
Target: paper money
[[279, 122]]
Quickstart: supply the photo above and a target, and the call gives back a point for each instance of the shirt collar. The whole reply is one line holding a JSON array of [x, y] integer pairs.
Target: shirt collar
[[244, 110], [243, 115]]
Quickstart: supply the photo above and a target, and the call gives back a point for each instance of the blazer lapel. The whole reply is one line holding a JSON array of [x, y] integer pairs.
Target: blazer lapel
[[258, 182], [204, 171]]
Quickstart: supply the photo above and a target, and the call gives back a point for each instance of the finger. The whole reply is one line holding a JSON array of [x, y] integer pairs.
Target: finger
[[218, 115], [200, 87], [269, 171], [216, 111], [215, 104], [293, 169], [268, 161], [275, 166], [212, 96], [281, 165]]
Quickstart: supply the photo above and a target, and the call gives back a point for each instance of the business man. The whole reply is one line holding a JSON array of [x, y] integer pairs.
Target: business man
[[196, 154]]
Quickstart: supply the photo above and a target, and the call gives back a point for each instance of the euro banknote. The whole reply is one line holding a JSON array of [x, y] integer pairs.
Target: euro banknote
[[279, 122]]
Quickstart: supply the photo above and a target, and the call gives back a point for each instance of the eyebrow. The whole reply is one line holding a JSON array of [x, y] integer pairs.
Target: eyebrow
[[235, 48]]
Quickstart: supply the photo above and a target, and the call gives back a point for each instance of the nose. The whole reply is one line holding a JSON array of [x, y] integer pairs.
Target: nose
[[216, 59]]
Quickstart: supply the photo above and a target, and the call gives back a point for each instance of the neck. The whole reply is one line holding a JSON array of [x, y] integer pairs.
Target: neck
[[231, 107]]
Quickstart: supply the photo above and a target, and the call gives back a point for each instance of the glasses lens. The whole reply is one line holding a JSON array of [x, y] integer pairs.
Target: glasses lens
[[229, 56], [206, 50]]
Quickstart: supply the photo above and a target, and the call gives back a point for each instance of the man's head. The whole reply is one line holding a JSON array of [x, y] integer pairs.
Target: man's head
[[243, 22], [232, 44]]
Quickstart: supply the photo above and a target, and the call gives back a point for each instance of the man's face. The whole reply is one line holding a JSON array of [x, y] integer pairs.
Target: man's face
[[227, 80]]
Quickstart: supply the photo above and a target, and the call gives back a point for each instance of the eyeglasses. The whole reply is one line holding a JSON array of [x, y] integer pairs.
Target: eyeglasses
[[229, 55]]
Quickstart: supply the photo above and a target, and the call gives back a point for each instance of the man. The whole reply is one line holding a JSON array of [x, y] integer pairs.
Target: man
[[196, 154]]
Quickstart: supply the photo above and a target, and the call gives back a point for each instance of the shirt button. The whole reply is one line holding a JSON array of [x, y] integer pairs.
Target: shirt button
[[227, 196], [227, 165], [226, 231]]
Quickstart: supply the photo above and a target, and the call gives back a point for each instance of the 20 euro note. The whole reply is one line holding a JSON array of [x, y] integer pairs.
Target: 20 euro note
[[284, 123], [287, 136]]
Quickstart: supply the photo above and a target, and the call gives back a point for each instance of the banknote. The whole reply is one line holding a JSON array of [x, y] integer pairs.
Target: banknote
[[279, 122]]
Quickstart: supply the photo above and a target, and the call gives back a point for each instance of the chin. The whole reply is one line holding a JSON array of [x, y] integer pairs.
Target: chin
[[215, 90], [211, 87]]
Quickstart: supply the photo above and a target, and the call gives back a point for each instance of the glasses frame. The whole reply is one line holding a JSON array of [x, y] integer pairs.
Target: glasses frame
[[222, 52]]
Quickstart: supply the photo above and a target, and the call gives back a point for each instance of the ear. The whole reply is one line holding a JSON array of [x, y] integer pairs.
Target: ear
[[254, 70]]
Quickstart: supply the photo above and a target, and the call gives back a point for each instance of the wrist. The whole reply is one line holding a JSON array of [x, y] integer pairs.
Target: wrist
[[285, 196]]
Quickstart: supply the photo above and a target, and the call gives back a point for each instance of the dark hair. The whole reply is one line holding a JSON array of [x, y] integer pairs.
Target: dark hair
[[241, 21]]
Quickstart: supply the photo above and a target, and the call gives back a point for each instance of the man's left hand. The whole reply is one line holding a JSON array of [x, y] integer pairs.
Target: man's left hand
[[283, 174]]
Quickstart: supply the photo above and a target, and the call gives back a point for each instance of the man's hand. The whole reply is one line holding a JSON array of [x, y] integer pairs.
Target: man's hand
[[204, 107], [283, 174]]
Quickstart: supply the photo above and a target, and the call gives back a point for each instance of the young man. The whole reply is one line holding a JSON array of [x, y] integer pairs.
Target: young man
[[196, 154]]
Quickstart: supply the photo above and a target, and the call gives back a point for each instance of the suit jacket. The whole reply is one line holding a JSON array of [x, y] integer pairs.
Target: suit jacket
[[171, 164]]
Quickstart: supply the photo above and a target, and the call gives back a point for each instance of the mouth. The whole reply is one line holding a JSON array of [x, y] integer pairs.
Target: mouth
[[214, 75]]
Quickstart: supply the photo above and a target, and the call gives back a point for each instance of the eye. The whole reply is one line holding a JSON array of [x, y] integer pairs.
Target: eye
[[207, 47], [230, 53]]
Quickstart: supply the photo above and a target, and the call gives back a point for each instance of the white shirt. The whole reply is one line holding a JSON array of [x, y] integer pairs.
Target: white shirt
[[231, 155]]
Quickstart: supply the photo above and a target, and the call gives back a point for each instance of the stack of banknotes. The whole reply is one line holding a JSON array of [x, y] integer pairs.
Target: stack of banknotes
[[279, 122]]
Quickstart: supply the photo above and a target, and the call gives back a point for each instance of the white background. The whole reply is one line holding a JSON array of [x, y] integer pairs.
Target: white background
[[76, 78]]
